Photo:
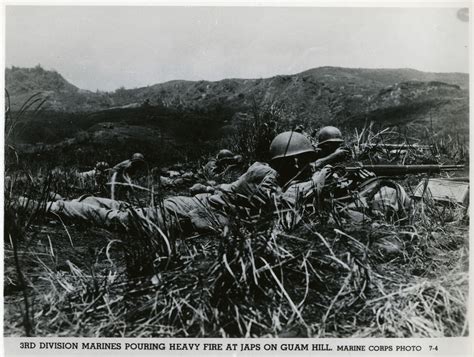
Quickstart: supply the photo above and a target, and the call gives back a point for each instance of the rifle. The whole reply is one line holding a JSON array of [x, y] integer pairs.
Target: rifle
[[402, 170], [395, 146]]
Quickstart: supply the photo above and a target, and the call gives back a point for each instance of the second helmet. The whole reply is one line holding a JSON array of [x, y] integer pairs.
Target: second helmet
[[223, 154], [138, 157], [329, 134]]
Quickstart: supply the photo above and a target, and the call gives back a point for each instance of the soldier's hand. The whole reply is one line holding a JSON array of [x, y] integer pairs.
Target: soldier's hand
[[199, 188], [341, 152]]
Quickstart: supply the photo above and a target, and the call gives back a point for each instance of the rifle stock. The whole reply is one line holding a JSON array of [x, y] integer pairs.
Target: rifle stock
[[401, 170]]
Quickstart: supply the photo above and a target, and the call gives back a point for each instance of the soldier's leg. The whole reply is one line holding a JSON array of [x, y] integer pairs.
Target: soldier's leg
[[393, 198], [99, 212], [102, 202], [93, 213], [379, 197], [385, 196], [178, 212]]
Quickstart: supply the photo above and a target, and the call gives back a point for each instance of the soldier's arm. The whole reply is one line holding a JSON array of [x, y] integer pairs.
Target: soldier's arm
[[256, 186], [307, 189], [337, 156], [122, 166]]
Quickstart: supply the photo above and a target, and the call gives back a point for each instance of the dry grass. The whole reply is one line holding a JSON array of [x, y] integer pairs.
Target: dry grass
[[301, 271]]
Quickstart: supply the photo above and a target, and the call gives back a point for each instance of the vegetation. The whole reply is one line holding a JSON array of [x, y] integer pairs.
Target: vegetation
[[348, 97], [299, 271], [290, 272]]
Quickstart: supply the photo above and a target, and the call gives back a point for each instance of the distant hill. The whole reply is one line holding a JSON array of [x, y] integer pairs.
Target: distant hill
[[319, 88], [22, 83], [348, 97]]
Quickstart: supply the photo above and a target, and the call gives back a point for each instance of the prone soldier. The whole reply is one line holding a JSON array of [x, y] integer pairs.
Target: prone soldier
[[123, 171], [288, 178]]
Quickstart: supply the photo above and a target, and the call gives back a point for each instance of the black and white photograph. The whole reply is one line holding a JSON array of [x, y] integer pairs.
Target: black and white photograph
[[236, 172]]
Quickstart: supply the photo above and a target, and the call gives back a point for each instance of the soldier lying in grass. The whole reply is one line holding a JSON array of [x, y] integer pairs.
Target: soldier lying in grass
[[123, 171], [224, 160], [293, 176]]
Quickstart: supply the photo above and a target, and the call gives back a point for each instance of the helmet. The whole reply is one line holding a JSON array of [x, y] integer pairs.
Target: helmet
[[290, 143], [137, 156], [329, 134], [238, 159], [224, 153]]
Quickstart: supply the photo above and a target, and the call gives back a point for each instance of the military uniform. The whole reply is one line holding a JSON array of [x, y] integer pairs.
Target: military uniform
[[285, 182], [257, 187], [258, 183], [122, 172]]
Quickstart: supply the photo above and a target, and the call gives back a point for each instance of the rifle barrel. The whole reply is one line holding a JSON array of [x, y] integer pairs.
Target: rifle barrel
[[399, 170], [396, 146]]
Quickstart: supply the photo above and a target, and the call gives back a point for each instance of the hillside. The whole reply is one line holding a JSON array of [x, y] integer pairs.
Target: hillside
[[22, 83], [313, 89], [205, 110]]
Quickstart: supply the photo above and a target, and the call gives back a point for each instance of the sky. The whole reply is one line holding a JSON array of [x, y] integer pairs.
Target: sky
[[109, 47]]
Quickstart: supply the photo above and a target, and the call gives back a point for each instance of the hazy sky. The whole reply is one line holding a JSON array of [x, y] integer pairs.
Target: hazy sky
[[108, 47]]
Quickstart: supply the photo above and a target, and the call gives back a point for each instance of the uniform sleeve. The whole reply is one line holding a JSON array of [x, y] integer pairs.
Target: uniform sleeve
[[256, 185], [306, 189], [122, 166]]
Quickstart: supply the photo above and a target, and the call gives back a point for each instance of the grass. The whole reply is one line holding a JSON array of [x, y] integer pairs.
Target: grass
[[250, 282], [297, 271]]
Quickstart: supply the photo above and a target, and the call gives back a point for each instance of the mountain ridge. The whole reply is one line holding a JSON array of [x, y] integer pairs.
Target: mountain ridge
[[22, 82], [345, 97]]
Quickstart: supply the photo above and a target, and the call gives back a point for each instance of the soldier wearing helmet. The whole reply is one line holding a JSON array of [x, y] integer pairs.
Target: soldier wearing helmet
[[218, 165], [284, 182], [138, 157], [223, 154], [330, 147], [291, 153], [123, 171], [288, 175], [131, 166], [224, 159]]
